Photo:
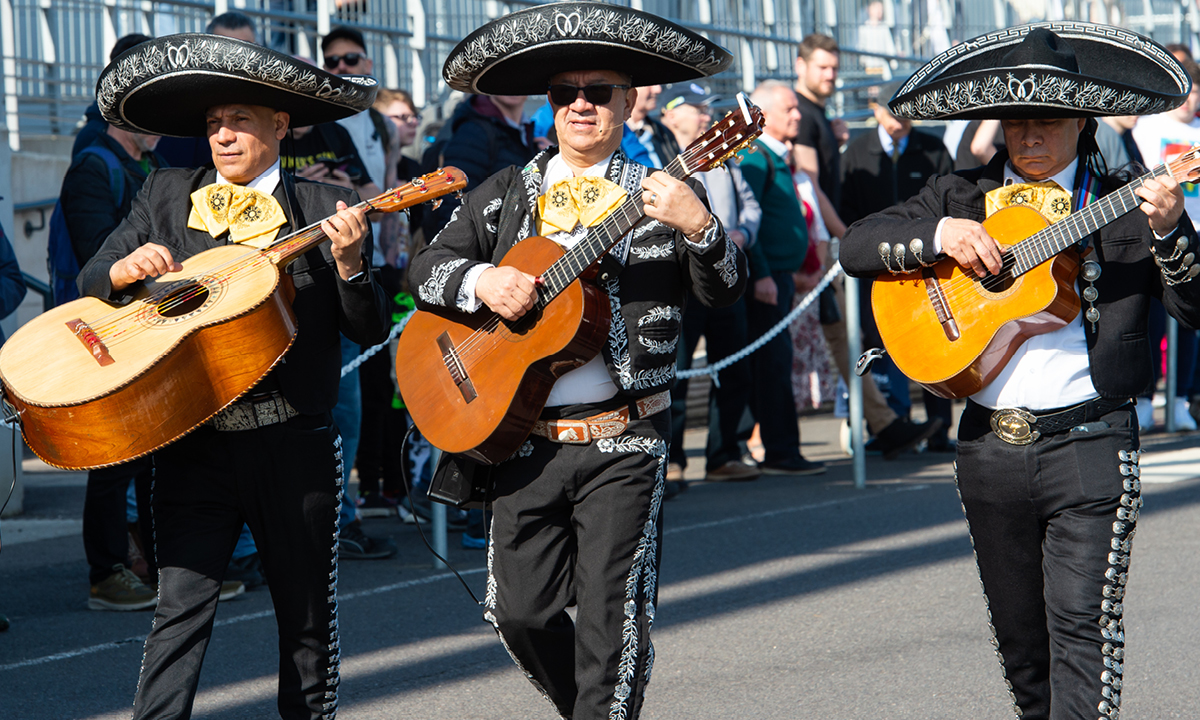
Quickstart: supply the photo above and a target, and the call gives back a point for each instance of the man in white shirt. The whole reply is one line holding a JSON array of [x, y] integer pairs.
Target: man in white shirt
[[1048, 447], [576, 507]]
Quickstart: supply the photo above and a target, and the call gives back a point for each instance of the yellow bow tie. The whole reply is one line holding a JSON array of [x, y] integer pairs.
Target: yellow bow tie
[[251, 217], [1047, 197], [586, 200]]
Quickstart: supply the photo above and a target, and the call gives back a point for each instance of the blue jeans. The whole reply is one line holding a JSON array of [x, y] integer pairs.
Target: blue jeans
[[347, 414]]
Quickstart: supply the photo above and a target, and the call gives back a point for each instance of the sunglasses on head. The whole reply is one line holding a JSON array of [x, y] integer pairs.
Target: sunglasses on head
[[351, 59], [598, 94]]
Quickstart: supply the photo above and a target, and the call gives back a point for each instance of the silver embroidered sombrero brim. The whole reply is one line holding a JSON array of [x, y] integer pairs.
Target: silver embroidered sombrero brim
[[165, 86], [1046, 70], [517, 54]]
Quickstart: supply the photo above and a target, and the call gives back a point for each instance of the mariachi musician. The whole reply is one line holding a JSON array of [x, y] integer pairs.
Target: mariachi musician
[[1048, 451], [576, 517], [271, 460]]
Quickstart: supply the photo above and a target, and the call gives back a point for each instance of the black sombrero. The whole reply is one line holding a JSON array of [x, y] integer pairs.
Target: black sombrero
[[517, 54], [1046, 70], [164, 86]]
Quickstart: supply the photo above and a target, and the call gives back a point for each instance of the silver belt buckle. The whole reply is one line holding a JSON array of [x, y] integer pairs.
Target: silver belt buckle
[[1015, 426]]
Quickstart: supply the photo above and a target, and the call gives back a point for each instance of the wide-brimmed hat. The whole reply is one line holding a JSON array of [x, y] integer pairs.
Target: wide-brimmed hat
[[517, 54], [1046, 70], [165, 86]]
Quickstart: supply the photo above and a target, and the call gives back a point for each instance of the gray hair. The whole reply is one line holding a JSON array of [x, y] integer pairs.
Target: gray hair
[[764, 95]]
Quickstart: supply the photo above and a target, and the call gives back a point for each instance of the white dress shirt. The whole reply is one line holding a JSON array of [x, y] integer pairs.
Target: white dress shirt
[[1049, 370]]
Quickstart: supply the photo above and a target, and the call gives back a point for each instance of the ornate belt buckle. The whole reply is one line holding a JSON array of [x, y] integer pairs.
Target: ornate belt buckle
[[1015, 426]]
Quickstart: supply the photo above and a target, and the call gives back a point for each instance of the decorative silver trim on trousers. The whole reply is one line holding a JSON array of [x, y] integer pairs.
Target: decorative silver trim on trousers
[[1112, 624]]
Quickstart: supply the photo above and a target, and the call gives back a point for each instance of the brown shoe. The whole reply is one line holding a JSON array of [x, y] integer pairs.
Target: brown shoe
[[732, 471], [674, 472]]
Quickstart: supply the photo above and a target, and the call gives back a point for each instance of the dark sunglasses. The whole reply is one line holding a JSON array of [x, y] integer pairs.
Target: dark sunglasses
[[351, 59], [595, 94]]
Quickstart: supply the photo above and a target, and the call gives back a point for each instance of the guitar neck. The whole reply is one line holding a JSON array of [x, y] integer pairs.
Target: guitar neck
[[286, 249], [1047, 243], [600, 239]]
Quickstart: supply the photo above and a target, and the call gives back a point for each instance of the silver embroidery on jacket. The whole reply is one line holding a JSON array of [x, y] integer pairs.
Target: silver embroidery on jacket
[[727, 266], [653, 252], [431, 290]]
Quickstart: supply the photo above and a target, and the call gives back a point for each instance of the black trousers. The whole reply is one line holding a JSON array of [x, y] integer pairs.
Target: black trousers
[[724, 331], [580, 525], [771, 398], [284, 481], [105, 529], [1052, 524]]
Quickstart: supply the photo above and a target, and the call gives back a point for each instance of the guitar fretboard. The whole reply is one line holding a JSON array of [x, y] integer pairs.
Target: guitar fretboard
[[599, 239], [1050, 241]]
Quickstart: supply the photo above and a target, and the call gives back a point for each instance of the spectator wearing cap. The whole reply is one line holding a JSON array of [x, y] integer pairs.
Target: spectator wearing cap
[[647, 140], [687, 112]]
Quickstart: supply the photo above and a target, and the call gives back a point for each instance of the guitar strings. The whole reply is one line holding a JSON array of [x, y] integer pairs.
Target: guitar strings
[[115, 326], [477, 345], [1043, 240]]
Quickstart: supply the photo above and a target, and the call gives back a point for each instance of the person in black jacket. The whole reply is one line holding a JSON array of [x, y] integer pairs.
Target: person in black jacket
[[576, 508], [1048, 447], [92, 212], [271, 459], [486, 134], [880, 169]]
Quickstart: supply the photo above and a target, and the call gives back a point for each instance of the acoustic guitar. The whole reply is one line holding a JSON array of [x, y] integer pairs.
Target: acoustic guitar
[[96, 384], [475, 383], [953, 332]]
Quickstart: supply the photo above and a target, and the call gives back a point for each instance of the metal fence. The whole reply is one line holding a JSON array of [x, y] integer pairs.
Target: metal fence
[[53, 51]]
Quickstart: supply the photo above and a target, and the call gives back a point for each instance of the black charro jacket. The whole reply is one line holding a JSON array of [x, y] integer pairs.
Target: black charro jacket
[[325, 304], [646, 296], [1118, 344]]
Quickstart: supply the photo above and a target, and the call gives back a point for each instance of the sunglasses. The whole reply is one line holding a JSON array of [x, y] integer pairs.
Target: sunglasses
[[595, 94], [351, 59]]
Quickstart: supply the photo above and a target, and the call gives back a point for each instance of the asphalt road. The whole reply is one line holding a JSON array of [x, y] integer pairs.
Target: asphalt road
[[780, 598]]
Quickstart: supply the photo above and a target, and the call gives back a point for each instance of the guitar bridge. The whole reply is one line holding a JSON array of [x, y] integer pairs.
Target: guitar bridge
[[454, 365], [91, 341], [941, 307]]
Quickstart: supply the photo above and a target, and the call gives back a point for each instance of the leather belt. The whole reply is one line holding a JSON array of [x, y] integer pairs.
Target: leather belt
[[1018, 426], [254, 412], [604, 425]]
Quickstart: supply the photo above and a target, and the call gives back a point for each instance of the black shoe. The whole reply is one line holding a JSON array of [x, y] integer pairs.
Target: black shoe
[[674, 488], [799, 466], [247, 570], [903, 435], [354, 544]]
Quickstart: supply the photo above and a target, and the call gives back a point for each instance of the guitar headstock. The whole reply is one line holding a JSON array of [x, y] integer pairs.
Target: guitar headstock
[[1186, 167], [732, 133], [427, 187]]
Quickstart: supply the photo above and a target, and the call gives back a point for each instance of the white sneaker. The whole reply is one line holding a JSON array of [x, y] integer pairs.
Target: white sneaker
[[1184, 422], [1145, 413]]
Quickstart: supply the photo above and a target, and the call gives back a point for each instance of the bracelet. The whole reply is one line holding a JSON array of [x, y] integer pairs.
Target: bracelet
[[708, 227]]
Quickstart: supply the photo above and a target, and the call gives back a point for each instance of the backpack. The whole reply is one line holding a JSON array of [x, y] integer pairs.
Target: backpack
[[62, 263]]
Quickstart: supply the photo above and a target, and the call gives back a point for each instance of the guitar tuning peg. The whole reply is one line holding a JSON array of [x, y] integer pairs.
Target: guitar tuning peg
[[435, 204]]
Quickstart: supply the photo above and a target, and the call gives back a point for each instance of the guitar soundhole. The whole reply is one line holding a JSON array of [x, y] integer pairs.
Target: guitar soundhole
[[183, 301], [997, 283]]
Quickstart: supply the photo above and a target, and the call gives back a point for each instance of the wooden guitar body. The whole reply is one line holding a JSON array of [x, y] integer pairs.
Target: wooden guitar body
[[165, 366], [475, 384], [956, 349]]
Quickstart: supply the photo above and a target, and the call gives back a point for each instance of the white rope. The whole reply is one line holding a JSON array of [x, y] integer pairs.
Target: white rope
[[779, 327], [711, 370], [395, 333]]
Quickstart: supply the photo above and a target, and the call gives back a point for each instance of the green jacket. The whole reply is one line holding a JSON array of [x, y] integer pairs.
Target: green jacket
[[783, 236]]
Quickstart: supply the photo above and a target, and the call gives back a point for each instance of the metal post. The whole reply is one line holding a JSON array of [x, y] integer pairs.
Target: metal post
[[418, 85], [1172, 370], [8, 45], [437, 513], [854, 341]]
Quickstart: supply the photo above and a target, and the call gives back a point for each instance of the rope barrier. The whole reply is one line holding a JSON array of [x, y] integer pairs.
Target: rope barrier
[[395, 333], [710, 370], [766, 337]]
